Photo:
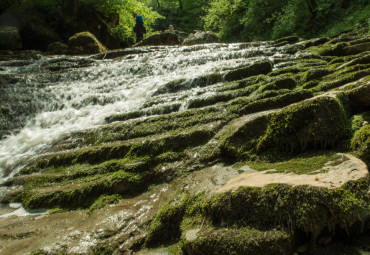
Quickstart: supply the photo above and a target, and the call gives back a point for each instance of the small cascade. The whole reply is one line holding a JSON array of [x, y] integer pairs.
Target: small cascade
[[48, 98]]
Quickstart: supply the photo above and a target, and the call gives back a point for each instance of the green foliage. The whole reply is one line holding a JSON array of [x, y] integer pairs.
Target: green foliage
[[245, 20], [184, 15], [223, 16], [125, 9]]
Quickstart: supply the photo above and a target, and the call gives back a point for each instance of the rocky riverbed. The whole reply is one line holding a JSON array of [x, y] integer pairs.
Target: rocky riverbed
[[248, 148]]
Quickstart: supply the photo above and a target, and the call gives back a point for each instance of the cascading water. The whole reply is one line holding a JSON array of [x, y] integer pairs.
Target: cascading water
[[56, 96]]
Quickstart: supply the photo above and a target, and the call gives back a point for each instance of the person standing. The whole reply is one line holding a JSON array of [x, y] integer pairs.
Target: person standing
[[139, 28], [170, 30]]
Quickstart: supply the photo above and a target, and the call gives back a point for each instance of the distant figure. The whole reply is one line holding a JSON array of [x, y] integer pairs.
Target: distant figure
[[170, 30], [139, 28]]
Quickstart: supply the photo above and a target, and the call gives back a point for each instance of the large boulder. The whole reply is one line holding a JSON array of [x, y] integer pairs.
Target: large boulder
[[200, 37], [10, 38], [85, 43], [160, 39]]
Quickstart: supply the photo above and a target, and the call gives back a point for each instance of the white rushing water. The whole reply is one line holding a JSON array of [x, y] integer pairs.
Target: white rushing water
[[81, 98]]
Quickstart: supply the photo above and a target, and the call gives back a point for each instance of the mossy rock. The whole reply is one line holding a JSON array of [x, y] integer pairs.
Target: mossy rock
[[283, 83], [165, 227], [359, 98], [263, 67], [236, 241], [237, 221], [315, 74], [357, 48], [361, 143], [85, 43], [329, 49], [317, 123]]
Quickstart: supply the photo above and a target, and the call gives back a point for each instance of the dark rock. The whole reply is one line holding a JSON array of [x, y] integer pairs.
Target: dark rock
[[160, 39], [38, 36], [57, 48], [359, 98], [10, 38], [85, 43], [200, 37]]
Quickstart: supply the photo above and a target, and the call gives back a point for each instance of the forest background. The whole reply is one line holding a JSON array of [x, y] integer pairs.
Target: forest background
[[231, 20]]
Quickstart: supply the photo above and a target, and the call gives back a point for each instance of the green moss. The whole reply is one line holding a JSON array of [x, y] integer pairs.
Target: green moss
[[157, 125], [343, 79], [238, 241], [103, 250], [82, 195], [166, 225], [56, 210], [103, 201], [284, 83], [317, 123], [361, 142], [85, 43], [315, 74], [234, 222], [359, 120], [329, 49], [239, 84], [310, 84], [267, 100], [300, 164]]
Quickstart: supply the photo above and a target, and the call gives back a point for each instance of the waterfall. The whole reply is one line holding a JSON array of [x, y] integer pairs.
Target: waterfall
[[51, 97]]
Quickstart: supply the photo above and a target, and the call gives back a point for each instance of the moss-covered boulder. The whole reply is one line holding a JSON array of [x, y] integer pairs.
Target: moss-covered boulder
[[316, 123], [85, 43], [361, 142]]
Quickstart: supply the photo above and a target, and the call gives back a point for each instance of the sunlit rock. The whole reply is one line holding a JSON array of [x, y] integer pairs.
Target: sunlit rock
[[85, 43]]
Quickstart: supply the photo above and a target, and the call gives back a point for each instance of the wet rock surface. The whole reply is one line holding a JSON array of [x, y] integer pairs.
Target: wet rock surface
[[233, 148]]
